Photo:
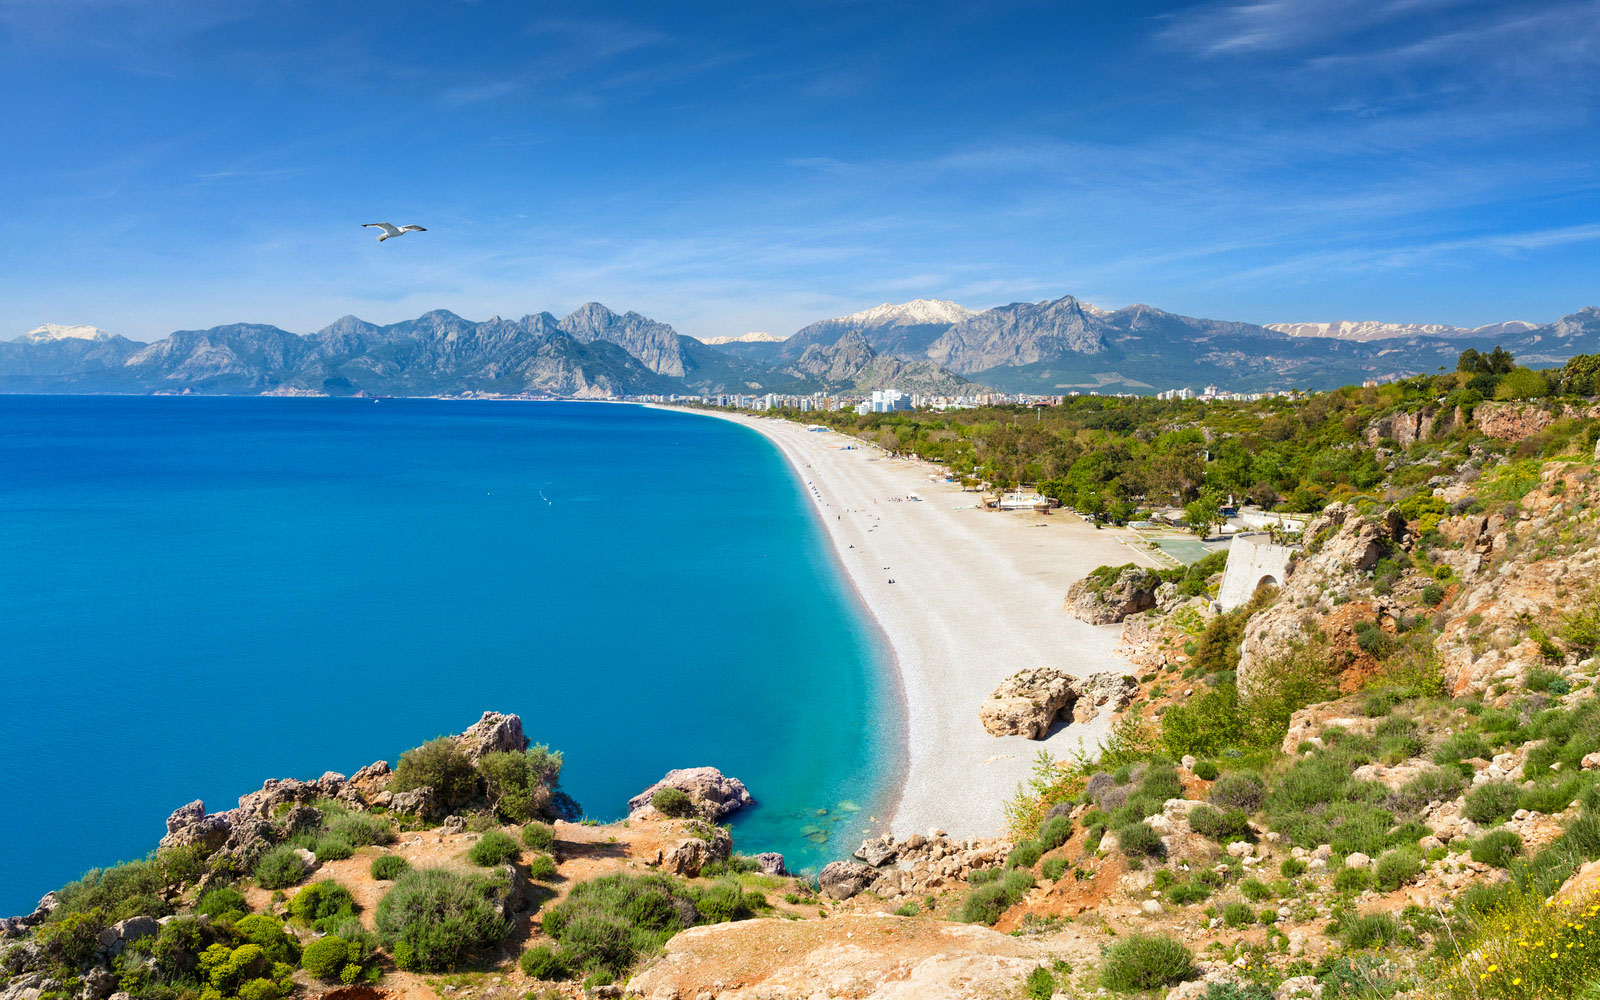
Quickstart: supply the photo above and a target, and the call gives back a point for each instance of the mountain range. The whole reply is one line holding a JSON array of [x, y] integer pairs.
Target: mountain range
[[929, 346]]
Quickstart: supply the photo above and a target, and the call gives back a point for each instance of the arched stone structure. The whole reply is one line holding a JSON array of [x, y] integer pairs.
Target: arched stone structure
[[1253, 562]]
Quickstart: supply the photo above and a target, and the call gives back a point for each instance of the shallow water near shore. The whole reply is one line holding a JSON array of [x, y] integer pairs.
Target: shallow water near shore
[[197, 594]]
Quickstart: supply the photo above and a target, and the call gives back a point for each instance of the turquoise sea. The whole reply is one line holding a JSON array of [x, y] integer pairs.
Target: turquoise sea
[[197, 594]]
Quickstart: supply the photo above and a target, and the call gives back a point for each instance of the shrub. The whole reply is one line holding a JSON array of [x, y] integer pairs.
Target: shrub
[[1292, 868], [280, 868], [388, 867], [433, 920], [331, 848], [326, 957], [1491, 802], [1145, 962], [910, 909], [1396, 868], [1208, 822], [1138, 839], [1352, 880], [1054, 832], [1237, 790], [540, 837], [1500, 963], [1205, 770], [1238, 915], [441, 765], [1497, 847], [673, 802], [1025, 855], [361, 829], [541, 867], [1367, 930], [70, 942], [133, 888], [983, 876], [604, 925], [1054, 868], [1254, 890], [542, 962], [267, 934], [1040, 984], [225, 904], [985, 904], [322, 904], [1434, 785], [493, 849]]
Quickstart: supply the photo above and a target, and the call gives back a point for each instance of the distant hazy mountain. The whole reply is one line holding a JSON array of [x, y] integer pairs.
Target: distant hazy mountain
[[850, 363], [55, 331], [1370, 330], [1066, 344]]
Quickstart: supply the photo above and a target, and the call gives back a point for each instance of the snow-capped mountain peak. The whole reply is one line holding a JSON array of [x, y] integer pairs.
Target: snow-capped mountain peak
[[56, 331], [753, 337], [1365, 330], [914, 313]]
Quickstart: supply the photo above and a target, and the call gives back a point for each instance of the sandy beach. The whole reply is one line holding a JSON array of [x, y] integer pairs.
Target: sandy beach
[[976, 596]]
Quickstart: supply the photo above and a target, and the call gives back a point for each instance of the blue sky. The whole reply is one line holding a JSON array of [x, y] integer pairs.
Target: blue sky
[[755, 166]]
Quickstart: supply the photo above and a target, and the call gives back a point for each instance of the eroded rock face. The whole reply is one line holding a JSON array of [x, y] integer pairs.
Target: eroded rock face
[[1133, 591], [189, 825], [496, 732], [843, 879], [688, 856], [1029, 702], [714, 794], [771, 863]]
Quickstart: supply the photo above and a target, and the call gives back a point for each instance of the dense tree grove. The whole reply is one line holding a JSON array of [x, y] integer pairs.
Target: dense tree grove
[[1109, 457]]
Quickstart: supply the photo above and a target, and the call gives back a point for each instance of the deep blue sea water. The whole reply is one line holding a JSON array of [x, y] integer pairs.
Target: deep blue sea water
[[197, 594]]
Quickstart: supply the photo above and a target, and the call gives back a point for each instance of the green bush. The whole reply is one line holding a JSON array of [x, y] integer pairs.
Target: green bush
[[433, 920], [493, 849], [1138, 839], [70, 942], [267, 934], [388, 867], [1219, 826], [1439, 784], [361, 829], [983, 876], [1237, 790], [907, 910], [985, 904], [134, 888], [1352, 880], [1491, 802], [540, 837], [1040, 984], [441, 765], [542, 867], [522, 786], [1185, 893], [606, 924], [322, 904], [673, 802], [225, 904], [542, 962], [1497, 847], [1205, 770], [726, 902], [1292, 868], [1396, 868], [1054, 832], [1054, 868], [331, 848], [280, 868], [1254, 890], [1145, 962], [1025, 855], [1367, 930], [1238, 915], [326, 957]]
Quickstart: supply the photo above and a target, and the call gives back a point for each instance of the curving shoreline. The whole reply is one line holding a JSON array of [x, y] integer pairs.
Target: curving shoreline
[[976, 596]]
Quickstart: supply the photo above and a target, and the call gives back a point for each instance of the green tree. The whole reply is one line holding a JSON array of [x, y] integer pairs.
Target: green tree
[[1204, 511]]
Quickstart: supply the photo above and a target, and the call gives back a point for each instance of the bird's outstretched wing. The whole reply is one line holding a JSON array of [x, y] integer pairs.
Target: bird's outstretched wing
[[412, 229], [388, 230]]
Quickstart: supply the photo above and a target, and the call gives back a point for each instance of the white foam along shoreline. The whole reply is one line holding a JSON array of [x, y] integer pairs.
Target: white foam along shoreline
[[976, 596]]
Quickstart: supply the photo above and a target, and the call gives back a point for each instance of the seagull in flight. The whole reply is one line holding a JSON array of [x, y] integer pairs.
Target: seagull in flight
[[389, 230]]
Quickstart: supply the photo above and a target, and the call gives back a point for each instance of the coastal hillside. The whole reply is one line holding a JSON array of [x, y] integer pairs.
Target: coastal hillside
[[1373, 772]]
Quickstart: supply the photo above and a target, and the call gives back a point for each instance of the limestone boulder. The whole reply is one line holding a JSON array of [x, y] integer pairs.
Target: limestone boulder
[[1099, 601], [496, 732], [771, 863], [189, 825], [843, 879], [1027, 703], [1104, 692], [688, 856], [713, 793]]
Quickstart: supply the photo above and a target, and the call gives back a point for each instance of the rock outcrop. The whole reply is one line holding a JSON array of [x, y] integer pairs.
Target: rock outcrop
[[495, 732], [1029, 702], [843, 879], [689, 855], [1100, 602], [713, 793]]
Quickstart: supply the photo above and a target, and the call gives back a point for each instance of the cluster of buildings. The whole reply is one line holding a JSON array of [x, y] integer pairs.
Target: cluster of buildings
[[878, 401], [1213, 394]]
